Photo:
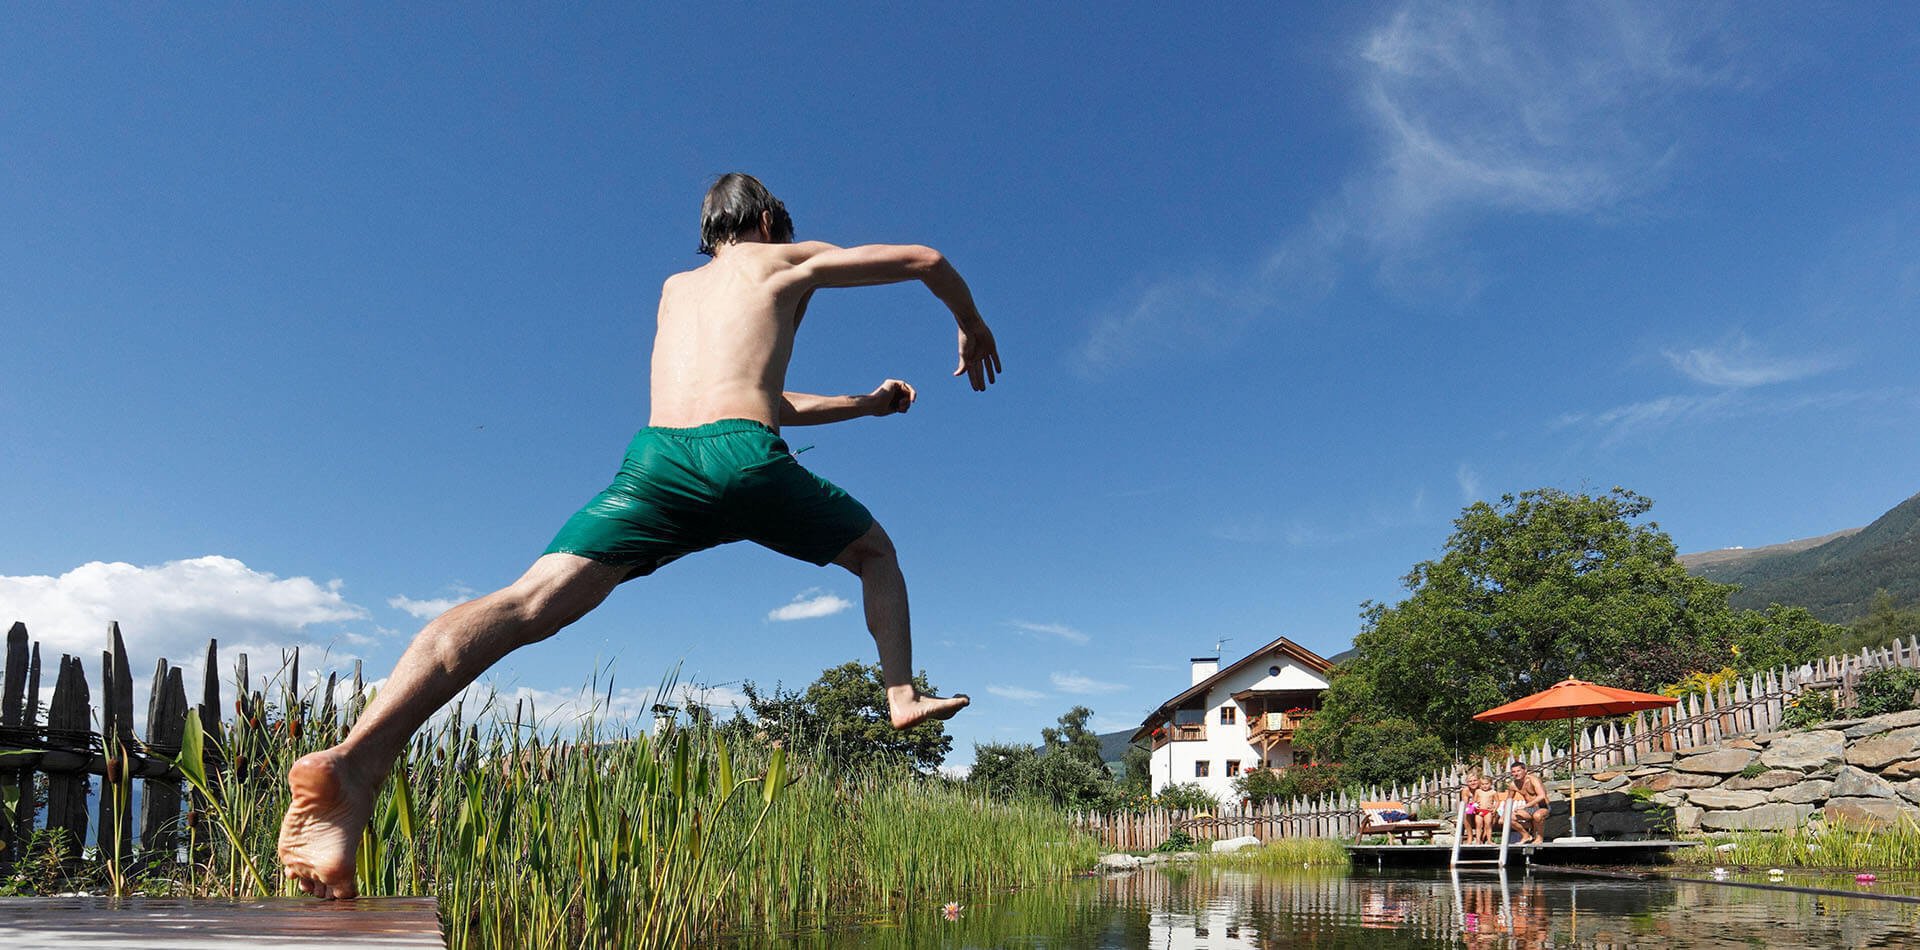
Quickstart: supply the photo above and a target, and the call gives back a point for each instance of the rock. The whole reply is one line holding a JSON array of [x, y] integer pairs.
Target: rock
[[1231, 845], [1880, 751], [1616, 824], [1867, 812], [1857, 783], [1686, 818], [1900, 770], [1770, 779], [1120, 862], [1668, 799], [1805, 751], [1886, 723], [1769, 817], [1656, 758], [1181, 857], [1719, 762], [1810, 792], [1614, 780], [1670, 781], [1721, 800], [1604, 777], [1743, 744], [1840, 725], [1910, 790]]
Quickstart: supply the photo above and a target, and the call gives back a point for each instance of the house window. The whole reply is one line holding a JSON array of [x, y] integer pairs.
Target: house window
[[1273, 671], [1227, 715], [1233, 767], [1200, 769]]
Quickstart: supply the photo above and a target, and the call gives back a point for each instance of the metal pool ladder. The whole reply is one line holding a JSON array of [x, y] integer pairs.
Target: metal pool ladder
[[1459, 831]]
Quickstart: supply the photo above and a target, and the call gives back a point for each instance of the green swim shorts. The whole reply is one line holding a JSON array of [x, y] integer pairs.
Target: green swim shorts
[[686, 490]]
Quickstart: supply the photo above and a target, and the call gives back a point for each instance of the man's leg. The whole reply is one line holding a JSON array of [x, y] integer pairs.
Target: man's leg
[[334, 789], [884, 591]]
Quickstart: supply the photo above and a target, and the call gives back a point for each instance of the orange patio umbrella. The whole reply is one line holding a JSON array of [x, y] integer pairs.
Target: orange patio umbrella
[[1571, 700]]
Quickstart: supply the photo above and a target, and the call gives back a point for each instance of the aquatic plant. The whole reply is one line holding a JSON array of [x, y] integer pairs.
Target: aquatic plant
[[1830, 846]]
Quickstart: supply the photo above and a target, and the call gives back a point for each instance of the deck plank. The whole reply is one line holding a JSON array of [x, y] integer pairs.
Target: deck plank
[[106, 923]]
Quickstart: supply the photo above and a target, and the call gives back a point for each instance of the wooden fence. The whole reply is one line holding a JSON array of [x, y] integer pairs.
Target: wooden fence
[[57, 740], [1754, 704]]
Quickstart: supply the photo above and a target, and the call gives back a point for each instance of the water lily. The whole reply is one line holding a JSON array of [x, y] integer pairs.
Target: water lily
[[951, 910], [1864, 878]]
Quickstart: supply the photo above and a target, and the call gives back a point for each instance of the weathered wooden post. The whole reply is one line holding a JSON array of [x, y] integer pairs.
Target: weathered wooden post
[[115, 828], [69, 742], [16, 735], [166, 727]]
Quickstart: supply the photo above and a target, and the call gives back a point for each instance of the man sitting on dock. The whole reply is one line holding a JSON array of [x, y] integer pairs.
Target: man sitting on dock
[[1529, 805]]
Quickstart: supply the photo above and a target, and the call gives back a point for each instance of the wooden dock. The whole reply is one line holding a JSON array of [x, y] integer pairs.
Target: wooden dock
[[99, 923], [1553, 852]]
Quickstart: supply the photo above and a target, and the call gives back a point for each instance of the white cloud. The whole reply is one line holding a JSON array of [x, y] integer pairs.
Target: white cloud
[[1469, 481], [172, 609], [1083, 685], [1738, 364], [810, 604], [1060, 630], [560, 711], [424, 609], [1625, 421], [1565, 110], [1016, 694], [1110, 724]]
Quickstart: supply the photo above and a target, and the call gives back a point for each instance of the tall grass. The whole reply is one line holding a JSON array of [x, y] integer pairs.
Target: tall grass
[[603, 835], [1288, 854], [1835, 846]]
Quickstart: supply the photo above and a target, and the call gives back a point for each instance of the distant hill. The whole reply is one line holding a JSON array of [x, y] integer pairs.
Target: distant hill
[[1113, 746], [1834, 576]]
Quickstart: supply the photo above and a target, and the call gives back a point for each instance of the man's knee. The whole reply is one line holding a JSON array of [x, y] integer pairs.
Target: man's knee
[[873, 546]]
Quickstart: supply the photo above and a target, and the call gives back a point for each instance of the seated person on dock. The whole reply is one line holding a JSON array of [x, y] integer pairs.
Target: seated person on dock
[[1470, 814], [1530, 805], [1487, 802]]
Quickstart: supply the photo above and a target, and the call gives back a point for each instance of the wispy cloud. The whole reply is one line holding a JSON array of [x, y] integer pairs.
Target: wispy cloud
[[1623, 422], [1083, 685], [1739, 364], [1469, 482], [810, 604], [1475, 109], [1379, 519], [1016, 693], [1060, 630], [424, 609]]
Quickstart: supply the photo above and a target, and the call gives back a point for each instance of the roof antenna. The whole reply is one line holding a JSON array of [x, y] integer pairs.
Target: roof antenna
[[1217, 644]]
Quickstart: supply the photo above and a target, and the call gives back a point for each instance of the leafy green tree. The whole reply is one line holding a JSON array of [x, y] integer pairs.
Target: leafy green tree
[[1073, 739], [1530, 590], [1136, 775], [843, 716], [1884, 623]]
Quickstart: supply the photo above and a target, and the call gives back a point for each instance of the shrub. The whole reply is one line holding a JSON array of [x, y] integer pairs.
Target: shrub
[[1178, 841], [1807, 708], [1885, 690], [1295, 781], [1754, 770], [1188, 796]]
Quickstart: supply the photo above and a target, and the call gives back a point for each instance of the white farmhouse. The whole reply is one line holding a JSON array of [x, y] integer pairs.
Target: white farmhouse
[[1235, 719]]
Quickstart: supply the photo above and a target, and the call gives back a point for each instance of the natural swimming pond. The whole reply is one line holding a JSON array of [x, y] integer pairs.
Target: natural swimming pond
[[1230, 908]]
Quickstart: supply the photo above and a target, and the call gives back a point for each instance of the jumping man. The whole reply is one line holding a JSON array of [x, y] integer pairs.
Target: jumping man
[[710, 468]]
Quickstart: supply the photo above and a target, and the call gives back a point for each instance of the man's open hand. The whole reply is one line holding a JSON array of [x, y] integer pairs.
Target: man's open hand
[[979, 360], [894, 395]]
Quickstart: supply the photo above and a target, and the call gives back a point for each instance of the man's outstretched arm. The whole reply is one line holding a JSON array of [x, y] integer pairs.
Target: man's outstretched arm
[[806, 409], [825, 265]]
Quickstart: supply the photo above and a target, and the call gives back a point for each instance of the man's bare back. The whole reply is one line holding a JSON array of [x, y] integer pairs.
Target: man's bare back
[[726, 329]]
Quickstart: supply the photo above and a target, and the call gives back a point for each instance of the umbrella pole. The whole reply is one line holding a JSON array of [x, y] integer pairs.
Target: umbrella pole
[[1573, 783]]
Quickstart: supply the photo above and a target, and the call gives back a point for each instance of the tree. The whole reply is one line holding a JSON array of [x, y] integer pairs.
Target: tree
[[1136, 772], [1531, 590], [1073, 739], [843, 716]]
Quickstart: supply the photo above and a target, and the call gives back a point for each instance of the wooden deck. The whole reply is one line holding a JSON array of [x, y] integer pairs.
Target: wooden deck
[[1553, 852], [95, 923]]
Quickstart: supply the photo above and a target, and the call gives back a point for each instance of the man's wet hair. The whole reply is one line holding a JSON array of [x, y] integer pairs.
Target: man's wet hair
[[733, 208]]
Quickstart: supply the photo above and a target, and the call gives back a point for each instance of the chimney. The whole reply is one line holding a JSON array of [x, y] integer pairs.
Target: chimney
[[1203, 667]]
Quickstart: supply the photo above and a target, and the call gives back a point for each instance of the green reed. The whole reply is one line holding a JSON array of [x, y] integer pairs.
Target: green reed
[[1287, 854], [600, 834], [1829, 845]]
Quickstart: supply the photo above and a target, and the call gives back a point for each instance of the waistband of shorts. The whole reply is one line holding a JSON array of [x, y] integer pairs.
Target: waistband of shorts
[[711, 429]]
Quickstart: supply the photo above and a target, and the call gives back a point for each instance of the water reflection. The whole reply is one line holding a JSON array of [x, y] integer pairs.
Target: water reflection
[[1237, 910]]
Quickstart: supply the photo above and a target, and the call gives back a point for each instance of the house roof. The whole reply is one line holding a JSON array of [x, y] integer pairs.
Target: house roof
[[1305, 657]]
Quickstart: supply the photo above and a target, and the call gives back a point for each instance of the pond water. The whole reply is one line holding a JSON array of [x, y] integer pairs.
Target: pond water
[[1244, 910]]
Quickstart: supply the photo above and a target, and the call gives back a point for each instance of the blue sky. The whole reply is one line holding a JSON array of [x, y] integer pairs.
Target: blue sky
[[314, 320]]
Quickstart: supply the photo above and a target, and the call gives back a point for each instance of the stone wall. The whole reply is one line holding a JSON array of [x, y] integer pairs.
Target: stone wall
[[1856, 771]]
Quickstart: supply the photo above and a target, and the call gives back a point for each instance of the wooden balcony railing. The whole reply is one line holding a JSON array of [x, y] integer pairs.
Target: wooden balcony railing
[[1185, 732], [1275, 725]]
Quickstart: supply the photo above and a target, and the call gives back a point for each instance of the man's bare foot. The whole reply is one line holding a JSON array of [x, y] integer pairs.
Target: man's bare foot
[[321, 832], [922, 707]]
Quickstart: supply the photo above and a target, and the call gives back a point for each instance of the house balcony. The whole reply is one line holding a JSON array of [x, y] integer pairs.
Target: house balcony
[[1267, 730], [1184, 732]]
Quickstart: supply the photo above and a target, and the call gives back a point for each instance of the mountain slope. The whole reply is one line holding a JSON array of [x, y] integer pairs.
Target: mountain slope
[[1836, 579]]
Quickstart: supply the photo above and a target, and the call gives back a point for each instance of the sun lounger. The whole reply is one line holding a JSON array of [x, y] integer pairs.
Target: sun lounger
[[1372, 822]]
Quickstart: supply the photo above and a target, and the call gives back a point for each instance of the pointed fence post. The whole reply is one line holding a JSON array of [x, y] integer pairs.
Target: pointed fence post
[[16, 731], [115, 830]]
